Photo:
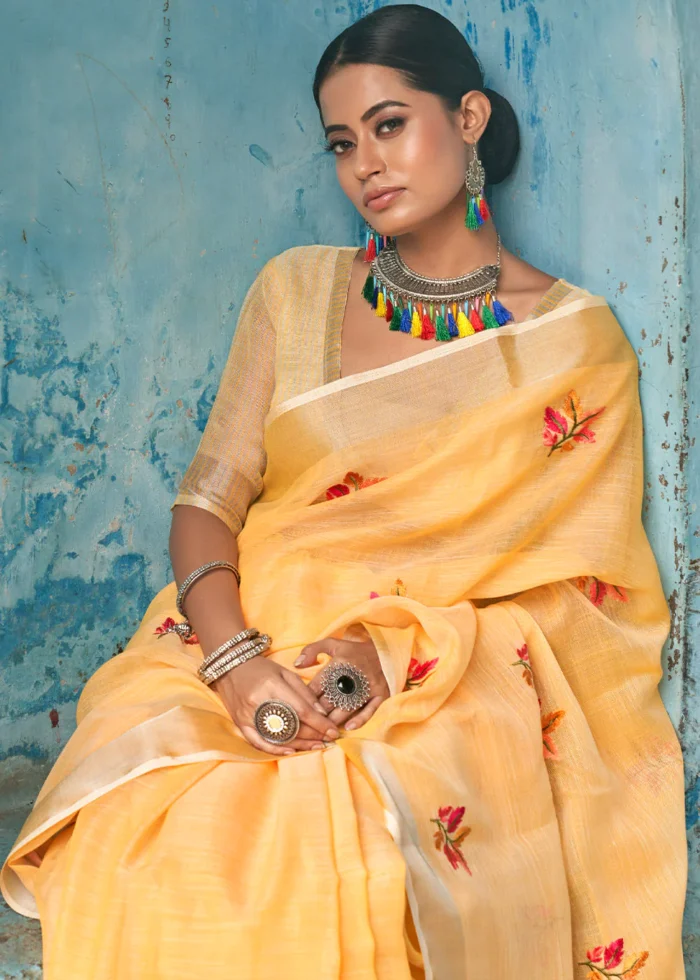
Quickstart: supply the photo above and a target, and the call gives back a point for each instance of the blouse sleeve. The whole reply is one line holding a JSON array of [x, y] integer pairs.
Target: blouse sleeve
[[226, 474]]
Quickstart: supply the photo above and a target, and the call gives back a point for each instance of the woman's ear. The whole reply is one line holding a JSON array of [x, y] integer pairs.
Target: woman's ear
[[474, 115]]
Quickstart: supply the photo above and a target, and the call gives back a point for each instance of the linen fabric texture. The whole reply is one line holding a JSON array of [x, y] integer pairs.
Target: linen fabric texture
[[515, 807]]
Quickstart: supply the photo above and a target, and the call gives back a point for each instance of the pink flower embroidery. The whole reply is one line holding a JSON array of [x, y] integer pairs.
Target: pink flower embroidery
[[524, 662], [351, 481], [603, 959], [597, 590], [564, 428], [448, 820], [169, 626], [418, 672]]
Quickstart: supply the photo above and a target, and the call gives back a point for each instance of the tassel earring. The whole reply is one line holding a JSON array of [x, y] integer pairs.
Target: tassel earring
[[374, 242], [477, 208]]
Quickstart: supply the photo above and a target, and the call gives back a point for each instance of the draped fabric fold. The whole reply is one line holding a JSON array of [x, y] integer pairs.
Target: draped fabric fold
[[514, 808]]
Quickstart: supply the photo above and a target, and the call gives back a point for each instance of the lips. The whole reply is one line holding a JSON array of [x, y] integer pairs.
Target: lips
[[381, 197]]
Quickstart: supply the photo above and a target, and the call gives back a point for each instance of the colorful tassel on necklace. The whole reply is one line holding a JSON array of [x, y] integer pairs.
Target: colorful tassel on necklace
[[374, 243], [436, 322]]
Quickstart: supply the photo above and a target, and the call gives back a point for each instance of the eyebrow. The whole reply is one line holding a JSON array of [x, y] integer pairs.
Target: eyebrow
[[372, 111]]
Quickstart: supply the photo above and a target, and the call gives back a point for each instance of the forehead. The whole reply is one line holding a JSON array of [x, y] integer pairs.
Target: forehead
[[349, 91]]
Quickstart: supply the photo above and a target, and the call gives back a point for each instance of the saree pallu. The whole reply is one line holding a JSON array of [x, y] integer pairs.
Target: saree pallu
[[513, 809]]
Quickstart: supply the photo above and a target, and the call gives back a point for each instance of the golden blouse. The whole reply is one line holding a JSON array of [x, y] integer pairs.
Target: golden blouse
[[287, 341]]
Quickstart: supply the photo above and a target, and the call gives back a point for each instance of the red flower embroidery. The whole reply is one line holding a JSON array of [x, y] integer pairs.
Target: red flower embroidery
[[597, 590], [351, 481], [564, 428], [524, 662], [448, 820], [418, 672], [550, 722], [603, 959], [169, 626]]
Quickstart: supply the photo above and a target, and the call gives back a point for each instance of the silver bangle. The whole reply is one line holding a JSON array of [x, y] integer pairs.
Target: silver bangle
[[235, 646], [247, 634], [227, 664], [196, 574]]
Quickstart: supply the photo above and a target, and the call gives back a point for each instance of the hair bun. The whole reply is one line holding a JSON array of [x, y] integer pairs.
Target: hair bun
[[500, 143]]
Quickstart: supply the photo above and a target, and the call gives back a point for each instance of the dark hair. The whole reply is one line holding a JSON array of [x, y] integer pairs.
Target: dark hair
[[432, 55]]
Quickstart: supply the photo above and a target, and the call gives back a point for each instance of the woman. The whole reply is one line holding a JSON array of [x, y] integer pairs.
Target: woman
[[434, 488]]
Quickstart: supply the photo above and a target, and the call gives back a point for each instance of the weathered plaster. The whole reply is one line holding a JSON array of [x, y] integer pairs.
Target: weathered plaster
[[131, 227]]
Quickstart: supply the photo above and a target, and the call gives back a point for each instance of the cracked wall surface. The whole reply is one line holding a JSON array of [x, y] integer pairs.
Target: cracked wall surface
[[159, 154]]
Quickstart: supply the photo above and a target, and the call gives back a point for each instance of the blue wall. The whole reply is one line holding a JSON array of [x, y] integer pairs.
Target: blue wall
[[131, 227]]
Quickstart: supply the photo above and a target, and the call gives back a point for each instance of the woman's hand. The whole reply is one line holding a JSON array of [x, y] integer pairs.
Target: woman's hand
[[245, 687], [360, 653]]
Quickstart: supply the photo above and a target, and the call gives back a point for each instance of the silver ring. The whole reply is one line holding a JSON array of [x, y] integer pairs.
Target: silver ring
[[345, 686], [276, 721]]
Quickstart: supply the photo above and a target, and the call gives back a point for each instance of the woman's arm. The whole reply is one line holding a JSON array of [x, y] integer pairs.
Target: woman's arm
[[213, 604], [213, 607]]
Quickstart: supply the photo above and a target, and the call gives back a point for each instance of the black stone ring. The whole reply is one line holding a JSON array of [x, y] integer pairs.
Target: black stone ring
[[345, 686]]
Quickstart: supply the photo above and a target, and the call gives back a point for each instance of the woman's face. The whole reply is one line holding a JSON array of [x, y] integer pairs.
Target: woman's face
[[385, 134]]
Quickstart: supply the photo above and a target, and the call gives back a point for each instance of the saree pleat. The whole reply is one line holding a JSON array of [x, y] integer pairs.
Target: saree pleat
[[514, 808]]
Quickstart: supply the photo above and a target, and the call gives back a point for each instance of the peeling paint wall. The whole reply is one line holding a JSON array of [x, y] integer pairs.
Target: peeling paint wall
[[155, 154]]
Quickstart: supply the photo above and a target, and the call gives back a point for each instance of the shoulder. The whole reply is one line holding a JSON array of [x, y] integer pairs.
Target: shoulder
[[302, 258]]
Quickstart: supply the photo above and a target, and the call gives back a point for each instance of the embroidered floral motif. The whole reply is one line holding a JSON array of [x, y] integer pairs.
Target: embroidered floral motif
[[603, 960], [351, 481], [564, 428], [448, 820], [170, 626], [418, 672], [398, 588], [550, 723], [597, 590], [524, 662]]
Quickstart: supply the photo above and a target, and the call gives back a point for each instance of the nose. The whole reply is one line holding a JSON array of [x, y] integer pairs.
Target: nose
[[367, 159]]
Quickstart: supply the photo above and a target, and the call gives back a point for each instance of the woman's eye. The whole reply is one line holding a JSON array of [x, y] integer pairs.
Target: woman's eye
[[392, 124], [338, 147]]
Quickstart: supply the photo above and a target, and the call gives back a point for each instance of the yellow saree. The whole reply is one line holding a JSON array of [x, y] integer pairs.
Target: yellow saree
[[514, 809]]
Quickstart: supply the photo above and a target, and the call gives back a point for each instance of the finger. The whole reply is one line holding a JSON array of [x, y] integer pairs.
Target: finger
[[304, 691], [309, 654], [364, 714], [283, 748], [256, 740], [318, 722]]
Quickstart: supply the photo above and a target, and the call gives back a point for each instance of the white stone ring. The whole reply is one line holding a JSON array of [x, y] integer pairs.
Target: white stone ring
[[276, 721], [344, 685]]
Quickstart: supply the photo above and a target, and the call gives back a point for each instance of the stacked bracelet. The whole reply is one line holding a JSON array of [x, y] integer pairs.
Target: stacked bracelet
[[229, 661], [247, 634], [232, 653]]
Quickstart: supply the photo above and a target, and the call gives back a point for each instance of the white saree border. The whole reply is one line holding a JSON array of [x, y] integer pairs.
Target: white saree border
[[455, 347], [435, 916]]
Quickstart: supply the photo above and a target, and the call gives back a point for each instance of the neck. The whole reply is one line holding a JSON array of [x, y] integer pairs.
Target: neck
[[445, 248]]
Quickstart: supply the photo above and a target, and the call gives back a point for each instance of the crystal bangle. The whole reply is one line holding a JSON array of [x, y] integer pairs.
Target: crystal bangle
[[227, 664], [244, 635], [234, 648], [197, 574]]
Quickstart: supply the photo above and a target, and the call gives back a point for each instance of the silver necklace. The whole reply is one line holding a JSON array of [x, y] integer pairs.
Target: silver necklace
[[433, 308]]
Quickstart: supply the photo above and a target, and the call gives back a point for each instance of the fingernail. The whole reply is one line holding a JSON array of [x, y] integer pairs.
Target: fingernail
[[289, 751], [317, 745], [299, 661], [350, 725], [333, 733], [320, 708]]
